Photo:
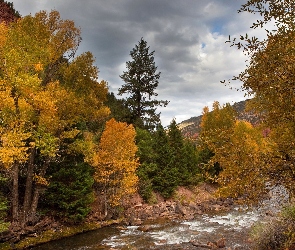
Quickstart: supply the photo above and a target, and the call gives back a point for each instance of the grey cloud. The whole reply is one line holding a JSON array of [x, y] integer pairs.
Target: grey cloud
[[192, 60]]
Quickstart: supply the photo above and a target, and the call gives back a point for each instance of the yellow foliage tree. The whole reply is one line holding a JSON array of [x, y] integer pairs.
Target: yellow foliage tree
[[43, 100], [216, 130], [244, 164], [115, 162], [269, 78]]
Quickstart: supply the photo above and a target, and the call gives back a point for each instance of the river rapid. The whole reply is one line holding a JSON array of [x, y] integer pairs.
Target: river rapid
[[234, 226]]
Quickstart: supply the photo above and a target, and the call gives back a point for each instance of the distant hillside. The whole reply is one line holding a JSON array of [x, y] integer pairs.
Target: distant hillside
[[7, 13], [191, 127]]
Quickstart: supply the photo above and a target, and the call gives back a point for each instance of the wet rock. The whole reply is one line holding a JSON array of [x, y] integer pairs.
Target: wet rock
[[220, 243], [210, 245], [32, 235], [136, 222], [144, 228], [228, 202], [270, 213], [7, 236], [121, 228], [165, 214], [198, 244], [163, 241], [137, 206], [217, 207], [179, 209], [292, 247], [189, 217]]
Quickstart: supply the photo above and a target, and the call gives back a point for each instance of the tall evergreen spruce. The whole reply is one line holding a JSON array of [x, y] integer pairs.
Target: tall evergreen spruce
[[70, 192], [191, 174], [167, 160], [166, 180], [183, 156], [141, 80], [148, 168], [175, 141], [119, 111]]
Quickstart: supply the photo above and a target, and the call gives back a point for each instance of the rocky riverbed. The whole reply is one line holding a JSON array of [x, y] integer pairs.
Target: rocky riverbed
[[180, 214], [186, 205], [224, 230]]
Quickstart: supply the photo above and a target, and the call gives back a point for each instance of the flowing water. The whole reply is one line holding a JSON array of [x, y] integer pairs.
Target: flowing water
[[234, 226]]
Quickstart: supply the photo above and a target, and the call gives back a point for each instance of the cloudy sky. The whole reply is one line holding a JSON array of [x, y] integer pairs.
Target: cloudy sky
[[188, 37]]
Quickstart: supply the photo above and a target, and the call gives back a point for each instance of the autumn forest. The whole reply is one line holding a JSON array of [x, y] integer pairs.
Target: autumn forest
[[66, 141]]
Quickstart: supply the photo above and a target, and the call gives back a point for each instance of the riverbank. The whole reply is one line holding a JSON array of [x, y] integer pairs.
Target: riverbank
[[56, 234], [185, 205]]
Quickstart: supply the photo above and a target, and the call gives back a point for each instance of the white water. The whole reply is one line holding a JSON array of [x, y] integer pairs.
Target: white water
[[203, 228], [234, 226]]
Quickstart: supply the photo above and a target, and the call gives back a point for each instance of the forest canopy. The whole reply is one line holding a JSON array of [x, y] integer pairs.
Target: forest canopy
[[66, 143]]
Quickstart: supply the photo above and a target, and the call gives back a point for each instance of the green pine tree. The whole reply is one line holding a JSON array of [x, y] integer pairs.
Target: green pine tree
[[183, 156], [119, 108], [70, 192], [147, 168], [141, 80], [166, 179], [190, 164]]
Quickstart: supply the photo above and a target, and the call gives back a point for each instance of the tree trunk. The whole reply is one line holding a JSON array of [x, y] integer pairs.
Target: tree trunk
[[28, 190], [138, 104], [36, 195], [32, 218], [14, 199]]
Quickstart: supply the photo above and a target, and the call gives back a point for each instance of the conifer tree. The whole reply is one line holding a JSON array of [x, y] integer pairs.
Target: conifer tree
[[166, 179], [148, 168], [141, 80], [175, 141], [190, 164], [70, 192], [183, 156], [118, 108]]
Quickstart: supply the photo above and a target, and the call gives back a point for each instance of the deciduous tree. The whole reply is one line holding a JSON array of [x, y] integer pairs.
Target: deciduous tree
[[7, 12], [44, 103], [115, 162], [244, 163], [269, 78], [216, 129]]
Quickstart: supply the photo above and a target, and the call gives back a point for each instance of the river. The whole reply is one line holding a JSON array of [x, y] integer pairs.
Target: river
[[234, 226]]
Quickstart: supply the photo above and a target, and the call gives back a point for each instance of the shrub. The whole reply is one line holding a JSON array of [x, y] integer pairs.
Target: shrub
[[277, 233]]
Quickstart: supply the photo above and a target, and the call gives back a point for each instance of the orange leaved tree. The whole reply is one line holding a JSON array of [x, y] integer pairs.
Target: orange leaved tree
[[244, 163], [115, 162], [47, 97], [216, 129]]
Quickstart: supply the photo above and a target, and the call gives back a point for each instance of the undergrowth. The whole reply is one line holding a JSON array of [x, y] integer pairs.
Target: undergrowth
[[277, 233]]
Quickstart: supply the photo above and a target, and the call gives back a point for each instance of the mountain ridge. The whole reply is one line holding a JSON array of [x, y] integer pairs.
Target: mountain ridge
[[191, 127]]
